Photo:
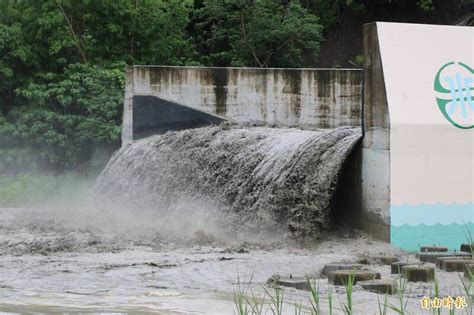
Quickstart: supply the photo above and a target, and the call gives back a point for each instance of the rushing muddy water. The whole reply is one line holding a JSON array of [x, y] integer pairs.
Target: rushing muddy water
[[58, 261], [253, 179], [53, 260], [179, 222]]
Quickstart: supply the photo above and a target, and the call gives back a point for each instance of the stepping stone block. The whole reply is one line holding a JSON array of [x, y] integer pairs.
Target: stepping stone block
[[299, 283], [452, 265], [440, 260], [341, 277], [466, 248], [431, 249], [378, 259], [418, 273], [396, 267], [340, 266], [431, 256], [379, 286], [385, 259]]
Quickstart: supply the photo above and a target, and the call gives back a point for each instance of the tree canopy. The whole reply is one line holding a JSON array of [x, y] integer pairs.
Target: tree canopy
[[62, 62]]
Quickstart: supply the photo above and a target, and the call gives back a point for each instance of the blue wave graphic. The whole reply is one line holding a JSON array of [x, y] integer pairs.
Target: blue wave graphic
[[410, 238], [431, 214]]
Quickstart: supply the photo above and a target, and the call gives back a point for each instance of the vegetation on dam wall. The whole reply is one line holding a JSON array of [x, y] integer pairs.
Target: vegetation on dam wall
[[62, 62]]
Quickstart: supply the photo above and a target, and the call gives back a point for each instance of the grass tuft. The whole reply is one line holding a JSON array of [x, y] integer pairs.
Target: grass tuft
[[383, 309], [347, 307], [314, 297], [401, 294]]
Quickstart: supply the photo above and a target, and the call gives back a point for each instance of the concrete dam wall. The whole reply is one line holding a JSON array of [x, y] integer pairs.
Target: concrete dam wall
[[411, 178], [298, 188], [307, 98]]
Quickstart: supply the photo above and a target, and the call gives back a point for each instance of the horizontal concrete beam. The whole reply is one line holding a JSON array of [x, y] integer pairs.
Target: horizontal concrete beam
[[308, 98]]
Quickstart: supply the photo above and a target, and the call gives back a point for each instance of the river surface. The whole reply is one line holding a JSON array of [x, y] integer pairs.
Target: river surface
[[50, 262], [59, 261]]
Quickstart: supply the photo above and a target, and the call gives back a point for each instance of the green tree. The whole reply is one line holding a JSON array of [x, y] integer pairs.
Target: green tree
[[62, 61], [262, 33], [62, 66], [65, 113]]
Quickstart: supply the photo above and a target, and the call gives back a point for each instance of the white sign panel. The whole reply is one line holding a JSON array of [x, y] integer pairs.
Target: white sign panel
[[429, 80]]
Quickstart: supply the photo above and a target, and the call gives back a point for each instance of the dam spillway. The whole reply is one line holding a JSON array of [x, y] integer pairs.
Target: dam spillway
[[397, 182], [263, 178]]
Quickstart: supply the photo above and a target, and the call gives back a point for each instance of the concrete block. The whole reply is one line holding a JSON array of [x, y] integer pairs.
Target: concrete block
[[378, 259], [433, 248], [396, 267], [299, 283], [381, 286], [455, 265], [440, 260], [341, 277], [385, 259], [418, 273], [340, 266], [451, 264], [432, 256], [466, 248]]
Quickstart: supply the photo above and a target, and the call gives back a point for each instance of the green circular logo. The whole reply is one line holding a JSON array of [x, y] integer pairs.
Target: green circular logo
[[454, 85]]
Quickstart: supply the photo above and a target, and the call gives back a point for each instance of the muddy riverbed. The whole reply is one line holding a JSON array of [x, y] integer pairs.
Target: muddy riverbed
[[61, 261]]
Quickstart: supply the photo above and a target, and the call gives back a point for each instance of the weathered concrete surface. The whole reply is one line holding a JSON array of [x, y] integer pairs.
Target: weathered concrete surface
[[433, 256], [379, 259], [153, 116], [440, 261], [418, 273], [342, 277], [396, 267], [328, 268], [382, 286], [455, 265], [299, 283], [309, 98], [372, 214]]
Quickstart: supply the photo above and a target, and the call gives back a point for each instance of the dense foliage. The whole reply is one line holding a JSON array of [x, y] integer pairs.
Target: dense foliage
[[257, 33], [62, 68], [62, 62]]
